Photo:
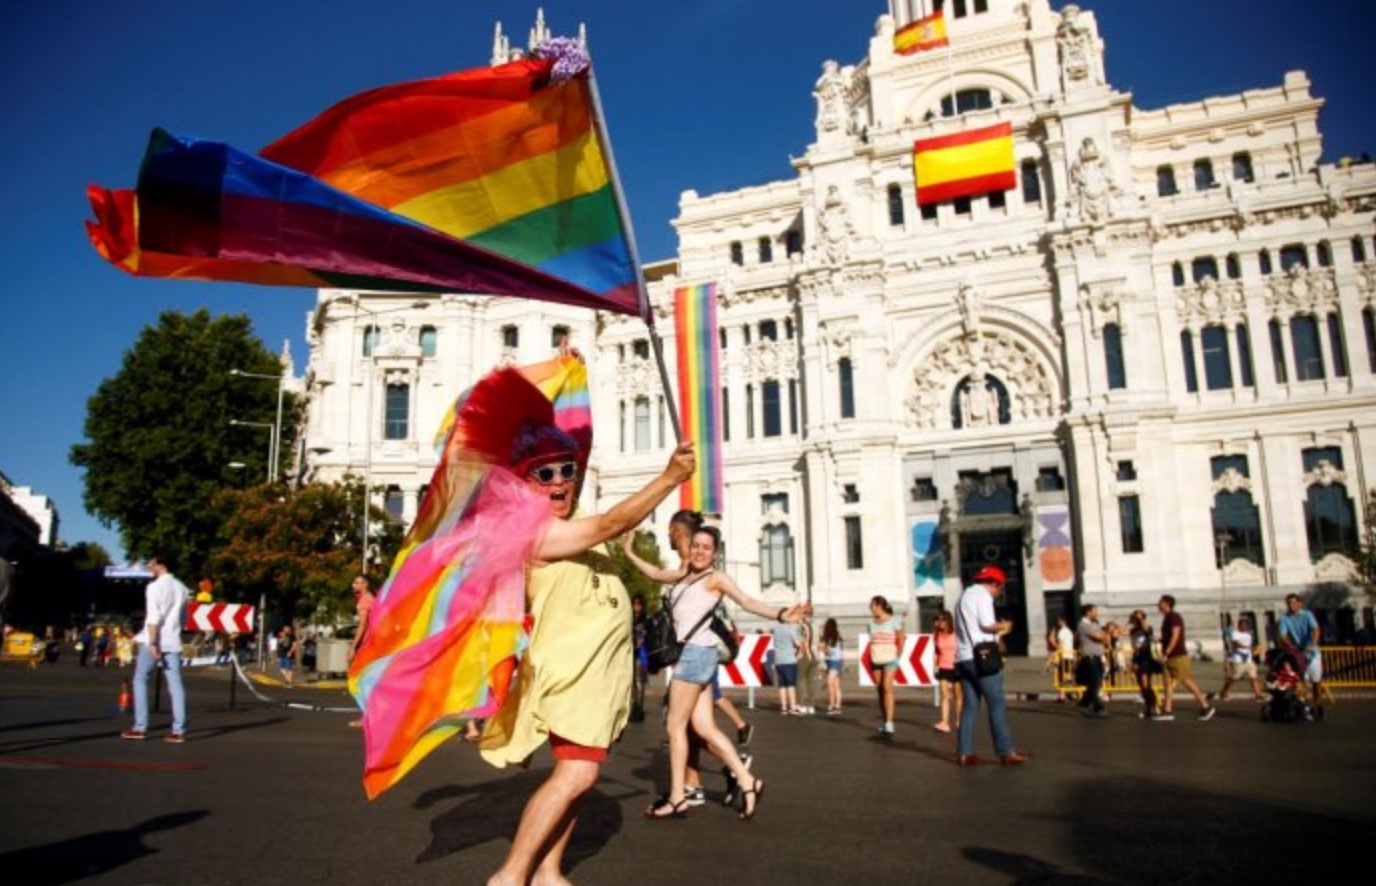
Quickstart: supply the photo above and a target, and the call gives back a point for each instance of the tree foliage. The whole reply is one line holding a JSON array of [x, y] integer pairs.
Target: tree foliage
[[159, 443], [299, 548], [635, 581]]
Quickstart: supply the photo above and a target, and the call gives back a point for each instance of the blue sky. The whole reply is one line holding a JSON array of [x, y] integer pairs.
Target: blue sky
[[708, 95]]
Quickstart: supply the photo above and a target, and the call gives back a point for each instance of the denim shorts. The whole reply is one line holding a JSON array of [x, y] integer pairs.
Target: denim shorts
[[788, 675], [696, 665], [833, 667]]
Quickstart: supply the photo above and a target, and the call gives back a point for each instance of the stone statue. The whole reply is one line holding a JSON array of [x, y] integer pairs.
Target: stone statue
[[967, 303], [979, 404], [830, 92], [1091, 186], [1075, 44], [834, 220]]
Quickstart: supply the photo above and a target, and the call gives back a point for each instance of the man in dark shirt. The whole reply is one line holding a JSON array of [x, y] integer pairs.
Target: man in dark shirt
[[1177, 656]]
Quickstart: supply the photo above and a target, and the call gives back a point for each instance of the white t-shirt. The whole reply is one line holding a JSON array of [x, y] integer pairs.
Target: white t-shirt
[[1241, 650], [1065, 640], [166, 603], [975, 609]]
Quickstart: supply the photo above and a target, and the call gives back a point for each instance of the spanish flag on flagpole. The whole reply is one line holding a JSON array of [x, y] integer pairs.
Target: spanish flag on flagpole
[[923, 34], [964, 164]]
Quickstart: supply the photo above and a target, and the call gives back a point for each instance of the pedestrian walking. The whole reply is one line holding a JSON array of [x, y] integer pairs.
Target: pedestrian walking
[[886, 641], [1145, 664], [286, 655], [160, 647], [786, 644], [977, 623], [1177, 658], [1240, 662], [1095, 643], [834, 654], [946, 677], [1298, 631]]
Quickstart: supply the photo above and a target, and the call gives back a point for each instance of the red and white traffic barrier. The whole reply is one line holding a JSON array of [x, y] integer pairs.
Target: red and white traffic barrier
[[916, 661]]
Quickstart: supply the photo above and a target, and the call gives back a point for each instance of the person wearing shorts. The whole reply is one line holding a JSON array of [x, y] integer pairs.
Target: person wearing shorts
[[1240, 662], [1177, 656], [1298, 631], [786, 666]]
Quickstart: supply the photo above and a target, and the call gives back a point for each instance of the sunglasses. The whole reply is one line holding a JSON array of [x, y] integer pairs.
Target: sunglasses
[[549, 475]]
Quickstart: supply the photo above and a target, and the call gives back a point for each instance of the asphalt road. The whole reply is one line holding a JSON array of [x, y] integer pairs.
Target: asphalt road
[[267, 793]]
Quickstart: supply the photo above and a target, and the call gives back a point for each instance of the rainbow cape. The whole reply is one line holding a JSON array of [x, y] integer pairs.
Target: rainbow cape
[[492, 181], [447, 629]]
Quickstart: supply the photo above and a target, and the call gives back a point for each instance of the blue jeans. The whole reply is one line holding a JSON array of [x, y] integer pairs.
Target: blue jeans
[[990, 690], [172, 667]]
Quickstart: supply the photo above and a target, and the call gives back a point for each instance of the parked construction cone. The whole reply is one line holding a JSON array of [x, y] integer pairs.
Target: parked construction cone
[[126, 699]]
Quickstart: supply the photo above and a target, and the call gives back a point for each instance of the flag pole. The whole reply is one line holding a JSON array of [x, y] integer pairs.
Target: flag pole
[[646, 312]]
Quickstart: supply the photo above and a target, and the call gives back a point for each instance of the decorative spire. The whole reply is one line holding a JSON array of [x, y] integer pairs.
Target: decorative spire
[[540, 33], [501, 46]]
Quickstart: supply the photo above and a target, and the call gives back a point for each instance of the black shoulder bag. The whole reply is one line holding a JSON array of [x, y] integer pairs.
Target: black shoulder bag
[[988, 656]]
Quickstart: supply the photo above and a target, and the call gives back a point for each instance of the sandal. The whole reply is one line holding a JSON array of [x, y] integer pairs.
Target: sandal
[[748, 809], [663, 808]]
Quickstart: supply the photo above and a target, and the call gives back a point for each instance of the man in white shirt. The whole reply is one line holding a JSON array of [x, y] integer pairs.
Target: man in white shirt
[[160, 645], [977, 623]]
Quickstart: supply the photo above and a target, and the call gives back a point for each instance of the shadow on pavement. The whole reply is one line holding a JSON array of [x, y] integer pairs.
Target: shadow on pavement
[[80, 857]]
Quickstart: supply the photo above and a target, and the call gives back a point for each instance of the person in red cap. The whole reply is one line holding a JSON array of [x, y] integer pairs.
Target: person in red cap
[[977, 623]]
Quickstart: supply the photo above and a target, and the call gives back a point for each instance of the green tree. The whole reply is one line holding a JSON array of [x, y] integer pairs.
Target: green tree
[[299, 548], [159, 443], [634, 580]]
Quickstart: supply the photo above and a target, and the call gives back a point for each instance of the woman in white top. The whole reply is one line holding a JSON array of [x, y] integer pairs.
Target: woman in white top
[[694, 596]]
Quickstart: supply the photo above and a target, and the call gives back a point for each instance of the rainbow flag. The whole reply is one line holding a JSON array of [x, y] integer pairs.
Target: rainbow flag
[[964, 164], [447, 630], [921, 35], [699, 388], [444, 184]]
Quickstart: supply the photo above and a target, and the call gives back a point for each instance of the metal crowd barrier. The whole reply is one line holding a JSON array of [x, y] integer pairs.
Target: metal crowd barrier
[[1344, 667]]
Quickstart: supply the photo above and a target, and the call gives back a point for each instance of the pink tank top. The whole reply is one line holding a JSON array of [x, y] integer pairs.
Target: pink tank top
[[691, 601], [946, 652]]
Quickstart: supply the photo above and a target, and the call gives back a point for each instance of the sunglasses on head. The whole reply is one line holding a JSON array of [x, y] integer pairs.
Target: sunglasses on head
[[548, 475]]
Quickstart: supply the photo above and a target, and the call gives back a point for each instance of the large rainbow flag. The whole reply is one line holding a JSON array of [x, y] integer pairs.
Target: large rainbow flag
[[495, 181], [447, 630], [699, 385]]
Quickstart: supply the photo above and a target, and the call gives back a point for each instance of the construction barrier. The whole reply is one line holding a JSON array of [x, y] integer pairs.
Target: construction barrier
[[916, 661], [749, 668]]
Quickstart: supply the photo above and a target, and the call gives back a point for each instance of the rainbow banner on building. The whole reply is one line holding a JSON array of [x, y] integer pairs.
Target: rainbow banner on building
[[964, 164], [699, 388], [921, 35], [493, 181]]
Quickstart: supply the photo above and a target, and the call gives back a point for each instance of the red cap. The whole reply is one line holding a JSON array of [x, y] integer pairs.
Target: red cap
[[991, 573]]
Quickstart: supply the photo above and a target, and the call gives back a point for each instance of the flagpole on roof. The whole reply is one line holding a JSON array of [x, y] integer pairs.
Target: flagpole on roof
[[646, 312]]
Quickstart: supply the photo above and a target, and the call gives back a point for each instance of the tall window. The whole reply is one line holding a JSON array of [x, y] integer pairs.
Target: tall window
[[1236, 519], [1113, 357], [1232, 267], [1304, 337], [1242, 167], [793, 241], [793, 406], [773, 415], [855, 549], [1330, 519], [737, 253], [1177, 274], [749, 412], [429, 341], [895, 206], [642, 424], [847, 382], [776, 555], [766, 250], [1323, 254], [393, 503], [511, 337], [1203, 174], [1165, 181], [1130, 523], [558, 333], [1335, 346], [1358, 250], [1187, 354], [1031, 182], [372, 337], [1218, 370], [1264, 262], [1278, 352], [397, 413], [1369, 327], [725, 414]]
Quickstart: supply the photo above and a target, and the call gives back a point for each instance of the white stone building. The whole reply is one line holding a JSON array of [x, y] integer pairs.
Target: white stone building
[[1156, 354]]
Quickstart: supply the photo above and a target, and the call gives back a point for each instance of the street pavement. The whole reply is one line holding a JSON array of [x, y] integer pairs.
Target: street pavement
[[269, 792]]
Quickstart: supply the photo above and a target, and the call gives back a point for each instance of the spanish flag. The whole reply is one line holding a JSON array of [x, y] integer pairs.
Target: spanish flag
[[964, 164], [921, 35]]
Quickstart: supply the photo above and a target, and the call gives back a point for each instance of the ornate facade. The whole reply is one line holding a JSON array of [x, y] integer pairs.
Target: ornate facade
[[1148, 368]]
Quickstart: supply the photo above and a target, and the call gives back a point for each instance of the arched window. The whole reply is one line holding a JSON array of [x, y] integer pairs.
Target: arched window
[[737, 253], [1113, 357], [1203, 174], [1177, 274], [1264, 262], [1031, 182], [429, 341], [1236, 519], [766, 250], [642, 424], [772, 408], [1242, 167], [1165, 181], [776, 555], [372, 337], [1323, 255], [1232, 267], [968, 100], [1218, 370], [895, 206], [1358, 250], [558, 334], [397, 421], [1330, 520], [1207, 266]]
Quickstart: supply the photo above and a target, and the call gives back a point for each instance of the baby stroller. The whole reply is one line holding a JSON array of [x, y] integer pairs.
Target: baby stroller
[[1288, 702]]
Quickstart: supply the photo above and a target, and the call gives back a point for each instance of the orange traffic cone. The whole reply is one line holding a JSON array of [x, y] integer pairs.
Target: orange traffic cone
[[126, 699]]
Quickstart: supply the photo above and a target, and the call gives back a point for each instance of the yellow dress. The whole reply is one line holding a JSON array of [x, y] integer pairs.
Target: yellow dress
[[575, 677]]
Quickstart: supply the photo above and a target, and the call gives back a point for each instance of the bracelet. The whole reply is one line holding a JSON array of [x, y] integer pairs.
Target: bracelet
[[780, 617]]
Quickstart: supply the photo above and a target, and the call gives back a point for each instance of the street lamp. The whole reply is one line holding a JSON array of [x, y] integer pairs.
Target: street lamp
[[272, 438], [274, 458], [372, 336]]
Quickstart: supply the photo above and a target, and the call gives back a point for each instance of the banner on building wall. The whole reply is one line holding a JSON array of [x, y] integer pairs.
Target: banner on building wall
[[929, 559], [1054, 548], [921, 35], [964, 164], [699, 391]]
